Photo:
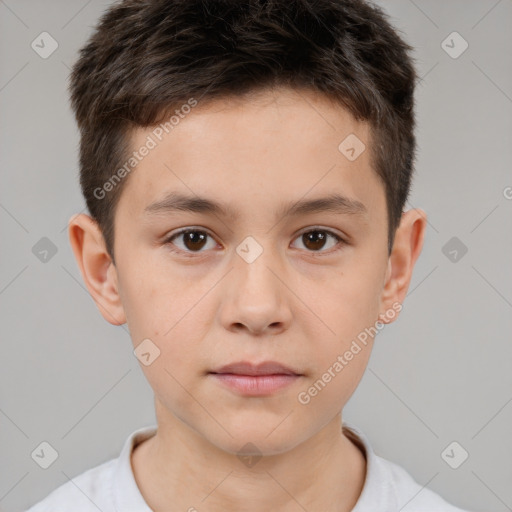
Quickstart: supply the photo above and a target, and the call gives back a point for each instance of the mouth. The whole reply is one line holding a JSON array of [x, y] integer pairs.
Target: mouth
[[255, 380], [265, 368]]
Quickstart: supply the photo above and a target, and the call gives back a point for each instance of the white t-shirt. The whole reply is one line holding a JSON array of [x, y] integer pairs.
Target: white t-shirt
[[111, 486]]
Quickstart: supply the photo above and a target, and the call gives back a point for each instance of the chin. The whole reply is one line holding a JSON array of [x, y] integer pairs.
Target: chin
[[257, 439]]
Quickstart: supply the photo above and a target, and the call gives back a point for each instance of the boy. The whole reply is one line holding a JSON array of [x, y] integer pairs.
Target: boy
[[276, 137]]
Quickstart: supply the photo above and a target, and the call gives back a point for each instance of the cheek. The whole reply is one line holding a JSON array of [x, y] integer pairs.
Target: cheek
[[347, 304], [170, 388], [158, 299], [328, 392]]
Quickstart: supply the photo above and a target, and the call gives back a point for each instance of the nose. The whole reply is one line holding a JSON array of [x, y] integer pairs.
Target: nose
[[256, 298]]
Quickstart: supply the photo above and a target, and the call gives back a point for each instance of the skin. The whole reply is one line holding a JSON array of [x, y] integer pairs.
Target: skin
[[301, 305]]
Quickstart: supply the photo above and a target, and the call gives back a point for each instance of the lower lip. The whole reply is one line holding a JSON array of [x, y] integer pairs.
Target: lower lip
[[255, 385]]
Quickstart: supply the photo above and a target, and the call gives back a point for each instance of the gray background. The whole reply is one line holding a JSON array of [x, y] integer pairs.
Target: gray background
[[441, 373]]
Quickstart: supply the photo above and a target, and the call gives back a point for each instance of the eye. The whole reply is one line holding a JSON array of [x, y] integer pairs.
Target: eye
[[193, 240], [317, 238]]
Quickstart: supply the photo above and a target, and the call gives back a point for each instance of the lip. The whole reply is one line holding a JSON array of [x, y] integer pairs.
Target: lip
[[264, 368], [250, 379]]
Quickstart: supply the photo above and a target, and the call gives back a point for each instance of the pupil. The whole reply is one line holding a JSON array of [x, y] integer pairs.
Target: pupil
[[195, 238], [314, 239]]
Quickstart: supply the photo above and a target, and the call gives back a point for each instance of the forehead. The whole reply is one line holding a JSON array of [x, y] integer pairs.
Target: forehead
[[270, 148]]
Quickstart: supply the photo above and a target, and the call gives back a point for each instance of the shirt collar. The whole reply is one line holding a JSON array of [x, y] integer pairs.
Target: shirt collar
[[127, 496], [376, 492], [125, 493]]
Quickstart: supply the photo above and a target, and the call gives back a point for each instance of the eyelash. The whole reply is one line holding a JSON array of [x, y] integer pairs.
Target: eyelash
[[192, 254]]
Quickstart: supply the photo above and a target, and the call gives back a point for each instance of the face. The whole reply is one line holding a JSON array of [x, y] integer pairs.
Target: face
[[272, 274]]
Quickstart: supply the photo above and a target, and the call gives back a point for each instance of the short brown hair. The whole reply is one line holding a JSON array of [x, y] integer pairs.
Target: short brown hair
[[147, 57]]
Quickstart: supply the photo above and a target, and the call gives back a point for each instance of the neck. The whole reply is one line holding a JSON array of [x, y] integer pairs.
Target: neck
[[177, 467]]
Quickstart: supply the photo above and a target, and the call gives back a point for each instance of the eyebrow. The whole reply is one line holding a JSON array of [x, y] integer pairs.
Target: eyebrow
[[334, 203]]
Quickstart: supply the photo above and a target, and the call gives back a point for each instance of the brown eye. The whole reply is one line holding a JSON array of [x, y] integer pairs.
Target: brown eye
[[193, 240], [314, 240], [317, 239]]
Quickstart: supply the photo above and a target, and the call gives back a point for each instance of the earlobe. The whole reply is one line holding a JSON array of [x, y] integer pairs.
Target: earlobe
[[98, 271], [406, 250]]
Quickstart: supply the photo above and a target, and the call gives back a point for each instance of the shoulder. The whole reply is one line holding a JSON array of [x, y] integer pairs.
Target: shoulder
[[389, 487], [409, 494], [89, 491]]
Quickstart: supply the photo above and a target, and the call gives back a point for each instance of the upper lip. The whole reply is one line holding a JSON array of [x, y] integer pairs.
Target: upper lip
[[264, 368]]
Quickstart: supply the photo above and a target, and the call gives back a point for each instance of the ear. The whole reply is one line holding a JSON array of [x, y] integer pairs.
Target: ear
[[406, 250], [98, 271]]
